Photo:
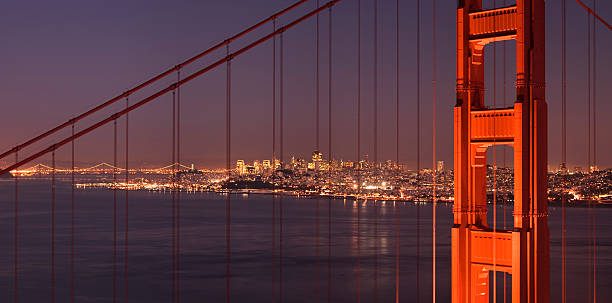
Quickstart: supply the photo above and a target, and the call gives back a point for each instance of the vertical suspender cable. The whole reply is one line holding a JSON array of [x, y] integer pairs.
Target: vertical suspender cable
[[330, 168], [317, 292], [358, 156], [594, 221], [397, 89], [282, 162], [589, 140], [418, 136], [115, 211], [358, 251], [588, 92], [418, 92], [127, 180], [53, 226], [16, 235], [72, 220], [274, 97], [375, 112], [494, 167], [273, 160], [595, 86], [281, 104], [317, 149], [317, 112], [178, 193], [434, 154], [563, 153], [504, 157], [228, 146], [397, 162], [375, 291], [173, 161], [358, 148]]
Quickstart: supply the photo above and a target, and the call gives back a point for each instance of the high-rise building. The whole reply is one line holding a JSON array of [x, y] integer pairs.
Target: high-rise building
[[440, 166], [240, 167], [317, 157], [266, 164]]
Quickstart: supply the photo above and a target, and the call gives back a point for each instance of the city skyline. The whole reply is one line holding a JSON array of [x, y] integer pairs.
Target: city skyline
[[60, 72]]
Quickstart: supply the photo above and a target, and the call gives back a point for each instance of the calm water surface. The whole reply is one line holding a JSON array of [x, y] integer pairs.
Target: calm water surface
[[255, 262]]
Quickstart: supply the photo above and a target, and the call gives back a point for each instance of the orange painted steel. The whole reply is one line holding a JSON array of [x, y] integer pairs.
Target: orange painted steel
[[522, 251]]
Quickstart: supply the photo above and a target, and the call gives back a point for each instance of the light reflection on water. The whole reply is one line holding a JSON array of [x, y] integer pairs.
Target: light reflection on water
[[203, 248]]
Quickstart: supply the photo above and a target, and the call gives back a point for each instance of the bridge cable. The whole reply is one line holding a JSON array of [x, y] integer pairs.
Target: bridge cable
[[397, 88], [397, 134], [434, 152], [72, 220], [358, 148], [173, 180], [375, 151], [317, 150], [228, 133], [167, 89], [115, 210], [494, 165], [504, 148], [375, 111], [594, 219], [282, 162], [16, 235], [178, 193], [418, 94], [154, 79], [375, 291], [330, 167], [418, 137], [563, 153], [273, 168], [589, 87], [127, 184], [53, 227], [317, 85]]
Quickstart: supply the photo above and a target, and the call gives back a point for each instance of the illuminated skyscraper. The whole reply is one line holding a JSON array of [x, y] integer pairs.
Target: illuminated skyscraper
[[240, 167], [317, 157]]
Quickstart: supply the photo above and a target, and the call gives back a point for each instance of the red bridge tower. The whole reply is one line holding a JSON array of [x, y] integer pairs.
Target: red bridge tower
[[477, 249]]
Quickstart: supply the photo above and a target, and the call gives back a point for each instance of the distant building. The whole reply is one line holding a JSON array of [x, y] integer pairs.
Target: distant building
[[440, 166], [317, 157], [563, 168], [266, 164], [240, 167]]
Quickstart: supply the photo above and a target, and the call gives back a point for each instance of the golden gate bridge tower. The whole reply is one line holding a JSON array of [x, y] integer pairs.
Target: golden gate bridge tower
[[478, 249]]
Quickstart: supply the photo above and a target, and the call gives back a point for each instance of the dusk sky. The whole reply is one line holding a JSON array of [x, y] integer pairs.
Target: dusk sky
[[61, 58]]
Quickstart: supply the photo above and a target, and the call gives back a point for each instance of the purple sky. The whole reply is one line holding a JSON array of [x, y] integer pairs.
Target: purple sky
[[61, 58]]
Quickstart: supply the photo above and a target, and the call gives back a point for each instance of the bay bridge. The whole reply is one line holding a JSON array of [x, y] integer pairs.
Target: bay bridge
[[484, 256]]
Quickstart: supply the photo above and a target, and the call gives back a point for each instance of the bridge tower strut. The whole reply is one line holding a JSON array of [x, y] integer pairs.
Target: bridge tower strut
[[477, 249]]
